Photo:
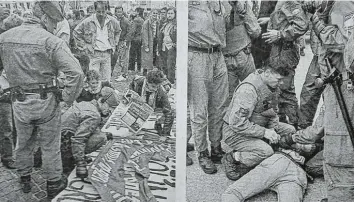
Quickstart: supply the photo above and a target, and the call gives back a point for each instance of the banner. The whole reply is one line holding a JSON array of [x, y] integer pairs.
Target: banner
[[135, 170]]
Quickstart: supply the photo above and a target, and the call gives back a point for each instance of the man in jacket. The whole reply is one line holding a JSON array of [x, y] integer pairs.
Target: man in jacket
[[32, 58], [136, 43], [287, 23], [124, 44], [150, 29], [98, 35], [252, 118], [242, 26]]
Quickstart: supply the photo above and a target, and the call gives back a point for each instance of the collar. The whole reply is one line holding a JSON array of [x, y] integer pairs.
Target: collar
[[34, 21], [94, 18]]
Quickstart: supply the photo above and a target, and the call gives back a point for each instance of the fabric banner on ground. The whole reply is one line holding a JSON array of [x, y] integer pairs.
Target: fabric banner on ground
[[122, 171]]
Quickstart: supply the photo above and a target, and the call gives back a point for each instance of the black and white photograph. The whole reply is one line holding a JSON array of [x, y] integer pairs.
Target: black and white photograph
[[270, 101], [87, 108]]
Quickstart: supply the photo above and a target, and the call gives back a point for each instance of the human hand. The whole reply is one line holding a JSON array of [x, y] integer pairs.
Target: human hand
[[318, 82], [263, 21], [271, 36], [272, 136]]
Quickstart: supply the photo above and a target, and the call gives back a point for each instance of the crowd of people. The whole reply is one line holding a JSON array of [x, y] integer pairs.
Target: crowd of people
[[56, 82], [242, 59]]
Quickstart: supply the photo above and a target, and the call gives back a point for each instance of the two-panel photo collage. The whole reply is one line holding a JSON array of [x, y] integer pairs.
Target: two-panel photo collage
[[177, 101]]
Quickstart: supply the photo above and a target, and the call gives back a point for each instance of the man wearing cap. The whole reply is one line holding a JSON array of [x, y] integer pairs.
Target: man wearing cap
[[32, 57], [98, 36], [207, 79], [251, 122], [80, 124]]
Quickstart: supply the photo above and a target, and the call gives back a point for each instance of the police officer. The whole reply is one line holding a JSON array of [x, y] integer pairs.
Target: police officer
[[311, 92], [32, 57], [241, 26], [207, 79], [252, 118], [287, 23], [337, 37]]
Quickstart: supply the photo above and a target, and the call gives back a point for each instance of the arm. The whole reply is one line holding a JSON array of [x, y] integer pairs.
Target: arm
[[241, 112], [145, 35], [89, 122], [129, 31], [78, 35], [297, 22], [117, 30], [251, 24], [64, 60]]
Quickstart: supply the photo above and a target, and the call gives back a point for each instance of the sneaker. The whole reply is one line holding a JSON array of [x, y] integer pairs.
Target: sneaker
[[9, 164], [230, 166], [121, 78], [206, 163], [55, 187], [217, 154], [189, 161], [26, 183]]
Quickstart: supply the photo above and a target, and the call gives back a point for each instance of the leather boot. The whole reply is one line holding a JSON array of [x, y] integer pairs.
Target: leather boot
[[217, 154], [26, 183], [189, 161], [81, 169], [206, 163], [230, 166], [55, 187]]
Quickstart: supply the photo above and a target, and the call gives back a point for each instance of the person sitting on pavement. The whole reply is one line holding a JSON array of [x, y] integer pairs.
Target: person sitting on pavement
[[152, 92], [80, 129], [252, 118]]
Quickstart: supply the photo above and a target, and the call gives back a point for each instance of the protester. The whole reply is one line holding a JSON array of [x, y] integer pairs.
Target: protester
[[167, 45], [100, 40], [136, 43]]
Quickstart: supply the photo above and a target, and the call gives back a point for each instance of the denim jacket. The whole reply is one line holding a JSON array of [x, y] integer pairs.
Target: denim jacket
[[85, 33]]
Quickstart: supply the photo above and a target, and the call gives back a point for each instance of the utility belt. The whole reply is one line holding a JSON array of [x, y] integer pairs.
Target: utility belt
[[209, 50], [20, 93]]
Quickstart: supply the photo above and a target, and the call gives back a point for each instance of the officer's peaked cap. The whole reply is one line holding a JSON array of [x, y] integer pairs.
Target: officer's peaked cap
[[52, 9]]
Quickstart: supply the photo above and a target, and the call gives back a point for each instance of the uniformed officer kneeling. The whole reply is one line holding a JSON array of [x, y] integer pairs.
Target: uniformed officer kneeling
[[32, 58]]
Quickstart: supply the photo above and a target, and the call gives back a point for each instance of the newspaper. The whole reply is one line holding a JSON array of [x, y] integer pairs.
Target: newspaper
[[136, 116]]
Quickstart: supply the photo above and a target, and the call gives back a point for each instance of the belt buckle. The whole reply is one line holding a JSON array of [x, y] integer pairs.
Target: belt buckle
[[43, 94]]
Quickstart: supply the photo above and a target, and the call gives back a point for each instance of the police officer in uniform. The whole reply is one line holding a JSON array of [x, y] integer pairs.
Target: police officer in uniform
[[32, 57], [207, 79], [241, 27], [337, 37], [287, 23], [251, 119]]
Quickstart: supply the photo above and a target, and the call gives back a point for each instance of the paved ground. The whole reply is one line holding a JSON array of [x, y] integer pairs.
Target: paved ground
[[208, 188]]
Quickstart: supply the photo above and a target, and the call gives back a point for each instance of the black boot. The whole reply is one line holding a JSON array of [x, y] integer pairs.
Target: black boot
[[81, 169], [55, 187], [206, 163], [234, 169], [217, 154], [189, 161], [26, 183], [9, 164]]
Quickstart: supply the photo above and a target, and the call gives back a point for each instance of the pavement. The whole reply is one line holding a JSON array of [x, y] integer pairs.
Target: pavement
[[202, 187]]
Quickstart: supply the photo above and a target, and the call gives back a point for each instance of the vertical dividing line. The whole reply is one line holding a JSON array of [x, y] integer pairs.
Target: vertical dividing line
[[181, 100]]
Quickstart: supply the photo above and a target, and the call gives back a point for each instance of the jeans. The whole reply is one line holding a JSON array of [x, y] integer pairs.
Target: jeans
[[277, 173], [100, 61]]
